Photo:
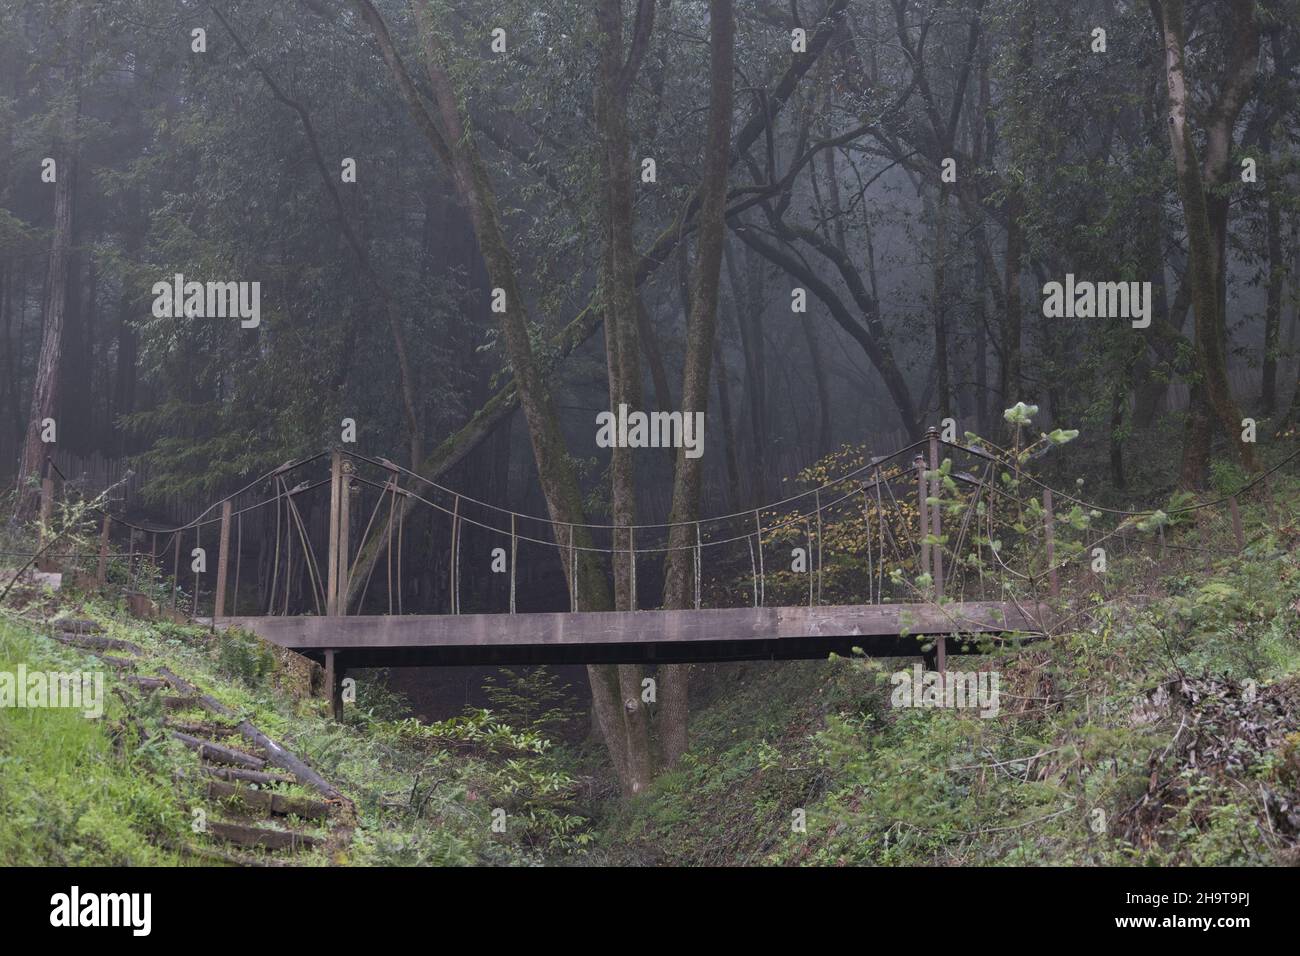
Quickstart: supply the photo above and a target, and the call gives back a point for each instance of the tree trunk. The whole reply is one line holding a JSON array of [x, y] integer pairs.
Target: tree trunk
[[818, 367], [1205, 211], [695, 372], [1273, 308], [45, 385], [555, 470], [618, 294], [940, 315], [751, 343], [728, 426], [1013, 317]]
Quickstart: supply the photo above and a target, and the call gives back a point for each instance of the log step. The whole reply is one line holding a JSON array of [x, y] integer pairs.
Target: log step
[[248, 836], [248, 776], [218, 753], [91, 643], [145, 683], [77, 625], [263, 801], [198, 728], [180, 703], [278, 755]]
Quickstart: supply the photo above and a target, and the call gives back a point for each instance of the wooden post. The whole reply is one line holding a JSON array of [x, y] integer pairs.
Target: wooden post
[[176, 567], [198, 546], [935, 513], [345, 570], [923, 512], [101, 573], [332, 588], [1049, 535], [936, 550], [223, 556], [1237, 531], [333, 684]]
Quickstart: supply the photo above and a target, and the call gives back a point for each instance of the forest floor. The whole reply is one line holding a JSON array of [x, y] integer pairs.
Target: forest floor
[[1161, 728]]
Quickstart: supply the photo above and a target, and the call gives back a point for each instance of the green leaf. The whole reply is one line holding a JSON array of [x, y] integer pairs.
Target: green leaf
[[1020, 413]]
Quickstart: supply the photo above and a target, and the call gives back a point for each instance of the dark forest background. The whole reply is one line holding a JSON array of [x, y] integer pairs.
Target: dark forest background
[[794, 145]]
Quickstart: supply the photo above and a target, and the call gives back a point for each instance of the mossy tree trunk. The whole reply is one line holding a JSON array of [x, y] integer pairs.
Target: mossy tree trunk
[[45, 378], [618, 295], [695, 373], [1202, 189]]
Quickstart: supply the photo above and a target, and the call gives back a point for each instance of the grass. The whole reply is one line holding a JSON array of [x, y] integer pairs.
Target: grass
[[1159, 732], [75, 793], [89, 792], [1162, 728]]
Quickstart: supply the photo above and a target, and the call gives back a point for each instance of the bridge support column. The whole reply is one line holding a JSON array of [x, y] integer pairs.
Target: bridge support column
[[923, 514], [936, 549], [334, 683], [332, 574], [337, 577], [223, 558], [176, 567]]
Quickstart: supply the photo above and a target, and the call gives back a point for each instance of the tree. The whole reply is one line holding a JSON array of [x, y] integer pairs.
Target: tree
[[45, 384], [618, 70], [1202, 188], [699, 353]]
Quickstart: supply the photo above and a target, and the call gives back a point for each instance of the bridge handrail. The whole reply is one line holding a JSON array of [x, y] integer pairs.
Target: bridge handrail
[[198, 519], [875, 462], [712, 542]]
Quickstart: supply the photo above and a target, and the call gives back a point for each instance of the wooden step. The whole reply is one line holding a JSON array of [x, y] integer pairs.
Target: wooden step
[[211, 854], [197, 728], [218, 753], [248, 776], [77, 626], [277, 755], [92, 643], [241, 835], [145, 683], [266, 802], [180, 703]]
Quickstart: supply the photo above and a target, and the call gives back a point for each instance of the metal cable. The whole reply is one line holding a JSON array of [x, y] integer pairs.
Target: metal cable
[[771, 506]]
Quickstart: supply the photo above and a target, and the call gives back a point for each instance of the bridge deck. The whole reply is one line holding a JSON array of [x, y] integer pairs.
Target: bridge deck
[[775, 633]]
